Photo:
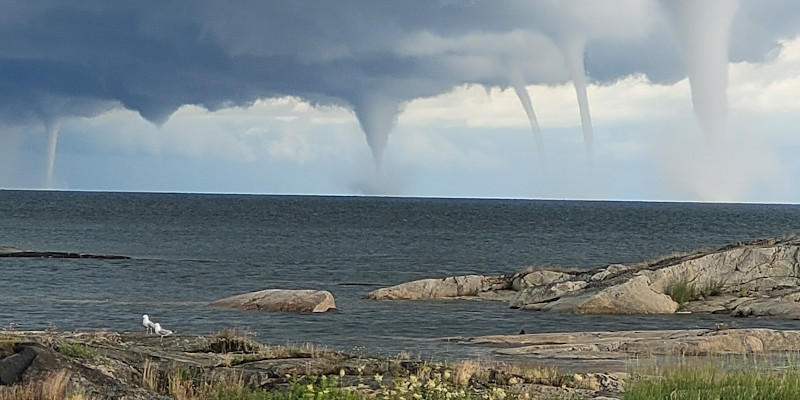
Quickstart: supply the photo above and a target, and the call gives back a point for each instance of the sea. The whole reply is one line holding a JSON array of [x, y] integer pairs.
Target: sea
[[190, 249]]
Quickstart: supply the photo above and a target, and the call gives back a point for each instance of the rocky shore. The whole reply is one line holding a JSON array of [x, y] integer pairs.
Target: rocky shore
[[111, 365], [125, 365], [758, 278]]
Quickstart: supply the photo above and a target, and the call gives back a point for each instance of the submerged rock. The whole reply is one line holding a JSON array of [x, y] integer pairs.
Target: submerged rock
[[281, 300], [8, 251]]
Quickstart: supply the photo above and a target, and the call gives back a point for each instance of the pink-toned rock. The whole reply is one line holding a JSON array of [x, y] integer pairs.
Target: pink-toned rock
[[451, 287], [631, 344], [634, 296], [539, 277], [281, 300]]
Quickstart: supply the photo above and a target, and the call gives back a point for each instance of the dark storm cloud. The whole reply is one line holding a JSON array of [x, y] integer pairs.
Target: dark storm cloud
[[80, 58]]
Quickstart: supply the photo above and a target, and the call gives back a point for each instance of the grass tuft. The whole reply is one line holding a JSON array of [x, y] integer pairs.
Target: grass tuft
[[714, 382], [52, 387], [682, 291], [228, 341], [149, 375]]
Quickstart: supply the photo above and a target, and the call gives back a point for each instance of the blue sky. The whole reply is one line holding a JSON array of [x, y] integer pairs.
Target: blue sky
[[271, 98]]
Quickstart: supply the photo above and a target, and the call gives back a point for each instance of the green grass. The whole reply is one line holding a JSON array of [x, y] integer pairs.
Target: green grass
[[683, 291], [78, 350], [700, 382]]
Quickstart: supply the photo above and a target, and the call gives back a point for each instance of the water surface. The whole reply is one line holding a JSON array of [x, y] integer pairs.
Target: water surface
[[191, 249]]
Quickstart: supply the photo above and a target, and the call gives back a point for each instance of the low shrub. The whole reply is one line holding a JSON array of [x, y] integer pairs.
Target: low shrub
[[78, 350]]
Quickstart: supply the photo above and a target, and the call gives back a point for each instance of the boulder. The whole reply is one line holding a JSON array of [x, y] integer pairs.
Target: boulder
[[13, 367], [634, 296], [538, 278], [611, 270], [451, 287], [543, 294], [281, 300]]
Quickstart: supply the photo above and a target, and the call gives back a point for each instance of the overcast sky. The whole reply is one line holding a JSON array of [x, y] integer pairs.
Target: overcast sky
[[686, 100]]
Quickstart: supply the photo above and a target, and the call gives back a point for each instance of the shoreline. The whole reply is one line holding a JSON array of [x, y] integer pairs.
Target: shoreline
[[584, 365]]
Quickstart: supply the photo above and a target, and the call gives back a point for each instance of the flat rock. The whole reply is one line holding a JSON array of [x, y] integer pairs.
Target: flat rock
[[768, 307], [281, 300], [626, 345]]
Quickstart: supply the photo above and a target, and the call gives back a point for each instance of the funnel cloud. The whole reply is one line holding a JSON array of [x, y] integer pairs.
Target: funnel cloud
[[52, 140], [525, 99], [573, 52], [703, 29]]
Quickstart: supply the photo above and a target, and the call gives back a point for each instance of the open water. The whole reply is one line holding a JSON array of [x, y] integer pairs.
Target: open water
[[190, 249]]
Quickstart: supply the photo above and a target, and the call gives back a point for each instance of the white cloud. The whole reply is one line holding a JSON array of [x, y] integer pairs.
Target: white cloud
[[442, 151], [768, 87], [632, 99], [285, 128]]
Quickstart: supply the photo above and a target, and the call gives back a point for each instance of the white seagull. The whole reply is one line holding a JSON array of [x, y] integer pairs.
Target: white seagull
[[162, 332], [147, 323]]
